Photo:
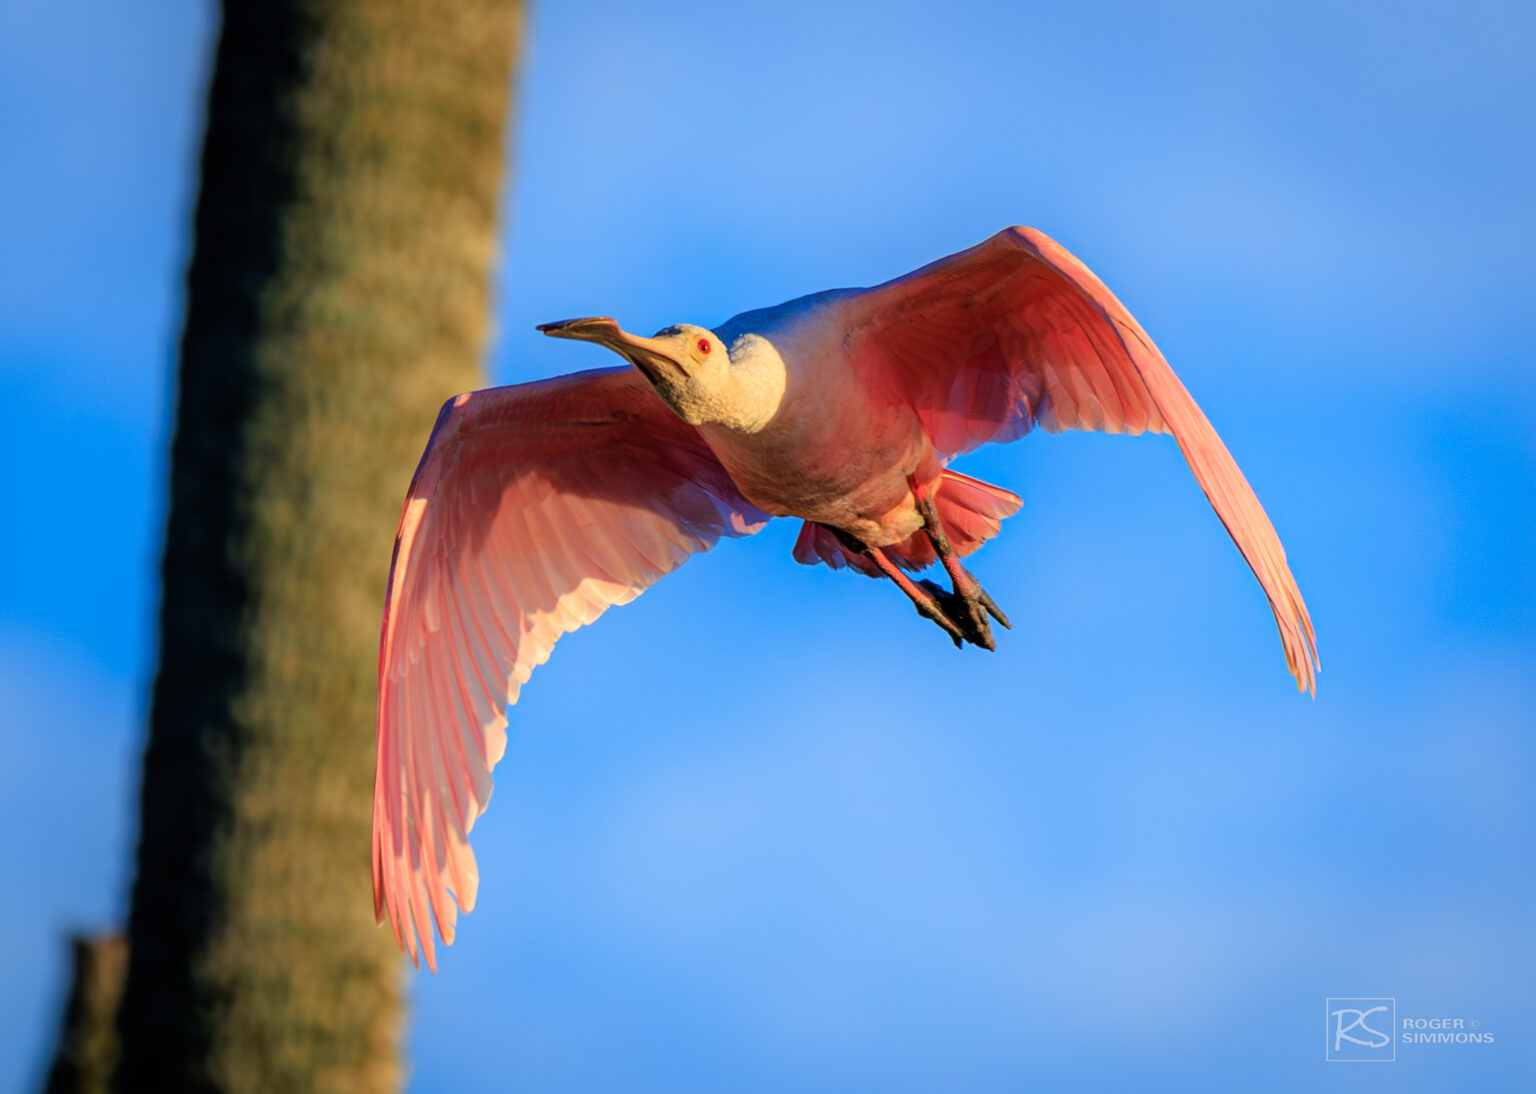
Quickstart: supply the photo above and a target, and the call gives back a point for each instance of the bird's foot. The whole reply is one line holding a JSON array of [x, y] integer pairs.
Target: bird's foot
[[968, 605], [966, 615], [976, 599], [961, 614]]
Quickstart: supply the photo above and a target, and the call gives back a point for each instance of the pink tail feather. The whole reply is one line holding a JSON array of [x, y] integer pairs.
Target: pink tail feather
[[971, 511]]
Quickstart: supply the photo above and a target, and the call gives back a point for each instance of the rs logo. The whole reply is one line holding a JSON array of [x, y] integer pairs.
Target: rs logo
[[1361, 1029], [1356, 1019]]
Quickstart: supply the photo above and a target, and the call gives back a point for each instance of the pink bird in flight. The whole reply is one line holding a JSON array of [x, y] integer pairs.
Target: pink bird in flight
[[536, 507]]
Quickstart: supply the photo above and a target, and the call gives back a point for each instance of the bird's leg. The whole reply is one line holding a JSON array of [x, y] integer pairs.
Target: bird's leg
[[974, 603], [928, 598]]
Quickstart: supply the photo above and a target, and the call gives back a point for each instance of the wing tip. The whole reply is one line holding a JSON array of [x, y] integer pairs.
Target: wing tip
[[416, 899], [1300, 643]]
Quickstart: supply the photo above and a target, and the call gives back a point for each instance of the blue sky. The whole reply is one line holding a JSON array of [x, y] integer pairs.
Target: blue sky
[[835, 854]]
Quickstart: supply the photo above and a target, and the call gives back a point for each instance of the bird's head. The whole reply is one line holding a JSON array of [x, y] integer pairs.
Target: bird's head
[[689, 366]]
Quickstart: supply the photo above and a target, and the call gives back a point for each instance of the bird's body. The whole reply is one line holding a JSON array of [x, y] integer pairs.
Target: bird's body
[[537, 507], [817, 445]]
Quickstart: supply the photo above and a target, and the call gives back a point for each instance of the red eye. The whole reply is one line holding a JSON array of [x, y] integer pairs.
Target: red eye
[[704, 346]]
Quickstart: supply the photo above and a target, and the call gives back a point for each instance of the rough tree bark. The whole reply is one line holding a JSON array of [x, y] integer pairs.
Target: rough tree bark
[[338, 293]]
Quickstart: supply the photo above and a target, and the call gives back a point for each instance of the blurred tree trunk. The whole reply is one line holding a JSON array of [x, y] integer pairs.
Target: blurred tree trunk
[[87, 1049], [338, 293]]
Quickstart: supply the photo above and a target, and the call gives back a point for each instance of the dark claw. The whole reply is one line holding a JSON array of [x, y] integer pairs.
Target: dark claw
[[982, 633], [992, 609]]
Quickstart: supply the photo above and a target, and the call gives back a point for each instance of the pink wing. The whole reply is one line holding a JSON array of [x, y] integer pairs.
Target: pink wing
[[1016, 332], [534, 508]]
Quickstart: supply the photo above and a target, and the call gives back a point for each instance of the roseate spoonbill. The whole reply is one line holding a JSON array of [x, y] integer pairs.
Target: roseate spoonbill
[[536, 507]]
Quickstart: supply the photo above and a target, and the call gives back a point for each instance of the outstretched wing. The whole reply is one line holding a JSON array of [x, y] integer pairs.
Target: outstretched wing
[[1016, 332], [534, 508]]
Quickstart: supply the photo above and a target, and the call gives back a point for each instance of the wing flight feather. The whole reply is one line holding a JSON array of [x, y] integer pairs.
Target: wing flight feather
[[535, 508]]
